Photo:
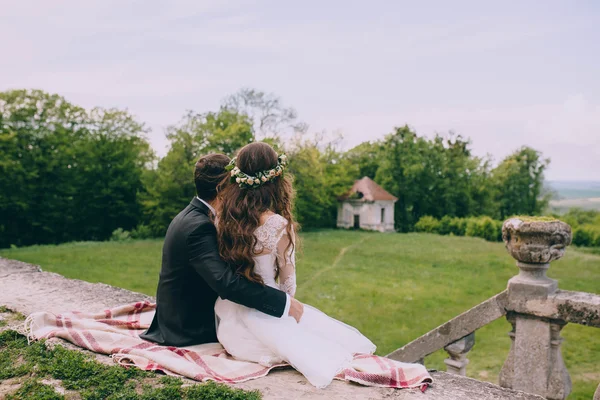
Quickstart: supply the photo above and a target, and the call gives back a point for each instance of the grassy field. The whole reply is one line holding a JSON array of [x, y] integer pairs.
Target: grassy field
[[393, 287]]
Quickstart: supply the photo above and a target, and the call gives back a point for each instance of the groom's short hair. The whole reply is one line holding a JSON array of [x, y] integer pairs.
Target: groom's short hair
[[209, 172]]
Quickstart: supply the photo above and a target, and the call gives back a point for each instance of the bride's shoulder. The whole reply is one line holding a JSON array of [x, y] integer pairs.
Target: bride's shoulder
[[272, 220]]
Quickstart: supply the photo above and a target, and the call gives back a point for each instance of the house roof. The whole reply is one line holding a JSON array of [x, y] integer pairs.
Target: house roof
[[370, 191]]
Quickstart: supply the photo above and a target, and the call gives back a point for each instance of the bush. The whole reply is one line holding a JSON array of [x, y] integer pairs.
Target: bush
[[596, 242], [428, 224], [119, 235], [586, 235], [499, 230], [484, 227], [458, 226], [582, 237], [142, 232], [445, 227]]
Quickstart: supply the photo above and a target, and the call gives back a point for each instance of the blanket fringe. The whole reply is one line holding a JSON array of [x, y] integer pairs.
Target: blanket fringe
[[122, 359], [27, 328]]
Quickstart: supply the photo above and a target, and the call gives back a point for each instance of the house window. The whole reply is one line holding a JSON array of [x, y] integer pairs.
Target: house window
[[382, 215]]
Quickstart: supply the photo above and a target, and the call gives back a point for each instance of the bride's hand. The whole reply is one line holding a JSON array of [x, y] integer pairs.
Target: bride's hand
[[296, 309]]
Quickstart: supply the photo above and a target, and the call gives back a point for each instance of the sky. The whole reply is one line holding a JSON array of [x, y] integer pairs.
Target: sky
[[504, 73]]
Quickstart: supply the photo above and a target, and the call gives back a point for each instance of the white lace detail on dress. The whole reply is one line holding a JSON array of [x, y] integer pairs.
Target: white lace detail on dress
[[289, 285], [268, 234], [272, 238]]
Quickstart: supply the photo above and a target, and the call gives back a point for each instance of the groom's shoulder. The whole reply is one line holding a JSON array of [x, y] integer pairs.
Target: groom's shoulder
[[188, 221]]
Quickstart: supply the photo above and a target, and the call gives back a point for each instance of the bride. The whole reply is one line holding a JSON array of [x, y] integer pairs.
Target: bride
[[256, 233]]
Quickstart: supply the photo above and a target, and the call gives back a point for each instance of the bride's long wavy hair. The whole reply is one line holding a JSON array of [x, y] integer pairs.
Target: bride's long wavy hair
[[240, 209]]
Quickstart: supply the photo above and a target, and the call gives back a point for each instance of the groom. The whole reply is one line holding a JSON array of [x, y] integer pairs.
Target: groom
[[193, 275]]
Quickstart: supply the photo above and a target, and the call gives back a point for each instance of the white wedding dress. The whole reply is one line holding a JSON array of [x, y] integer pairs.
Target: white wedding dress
[[319, 346]]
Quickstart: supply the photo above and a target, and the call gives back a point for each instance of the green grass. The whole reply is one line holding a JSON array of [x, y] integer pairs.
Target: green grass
[[393, 287], [78, 373]]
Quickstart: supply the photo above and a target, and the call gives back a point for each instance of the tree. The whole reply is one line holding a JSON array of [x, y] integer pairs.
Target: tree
[[518, 182], [266, 112], [321, 174], [404, 172], [171, 185], [434, 177], [112, 182], [366, 156], [66, 173]]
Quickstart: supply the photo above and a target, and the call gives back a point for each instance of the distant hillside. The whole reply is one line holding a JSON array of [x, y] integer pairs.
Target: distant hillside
[[575, 189], [569, 194]]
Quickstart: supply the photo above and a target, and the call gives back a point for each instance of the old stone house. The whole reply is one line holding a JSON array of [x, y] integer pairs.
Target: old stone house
[[367, 206]]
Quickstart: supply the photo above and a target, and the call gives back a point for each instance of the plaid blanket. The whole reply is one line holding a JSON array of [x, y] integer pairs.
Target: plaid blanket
[[116, 332]]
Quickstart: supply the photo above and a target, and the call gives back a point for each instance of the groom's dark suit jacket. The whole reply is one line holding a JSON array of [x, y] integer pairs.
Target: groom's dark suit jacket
[[191, 278]]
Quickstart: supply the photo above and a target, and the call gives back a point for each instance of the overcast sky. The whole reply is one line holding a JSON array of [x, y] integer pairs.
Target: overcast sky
[[504, 73]]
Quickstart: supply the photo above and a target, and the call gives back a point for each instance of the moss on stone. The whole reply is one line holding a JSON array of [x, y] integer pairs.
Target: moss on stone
[[33, 389], [528, 218], [92, 380]]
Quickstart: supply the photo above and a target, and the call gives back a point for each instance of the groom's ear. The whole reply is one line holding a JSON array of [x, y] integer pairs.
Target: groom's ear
[[209, 172]]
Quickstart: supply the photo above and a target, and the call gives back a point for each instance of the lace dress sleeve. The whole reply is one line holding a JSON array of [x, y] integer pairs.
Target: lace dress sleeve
[[286, 256], [272, 237]]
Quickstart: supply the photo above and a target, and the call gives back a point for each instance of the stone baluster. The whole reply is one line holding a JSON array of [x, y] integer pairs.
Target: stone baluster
[[457, 363], [507, 372], [535, 363]]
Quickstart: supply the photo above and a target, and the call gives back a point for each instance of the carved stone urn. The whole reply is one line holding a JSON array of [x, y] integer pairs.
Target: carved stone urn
[[535, 362], [534, 243]]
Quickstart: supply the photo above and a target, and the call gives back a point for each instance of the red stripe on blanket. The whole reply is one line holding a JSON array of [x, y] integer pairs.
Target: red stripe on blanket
[[398, 376], [118, 322], [197, 359], [90, 338], [76, 338], [361, 377]]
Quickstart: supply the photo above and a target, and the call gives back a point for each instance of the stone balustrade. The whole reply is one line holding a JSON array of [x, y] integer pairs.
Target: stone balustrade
[[535, 308]]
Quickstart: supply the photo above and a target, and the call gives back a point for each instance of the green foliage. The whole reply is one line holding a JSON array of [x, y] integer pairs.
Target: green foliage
[[170, 187], [518, 184], [71, 174], [119, 235], [66, 173], [367, 157], [576, 217], [428, 224], [587, 236], [452, 226], [321, 174], [585, 225], [142, 232], [434, 177], [92, 380], [484, 227]]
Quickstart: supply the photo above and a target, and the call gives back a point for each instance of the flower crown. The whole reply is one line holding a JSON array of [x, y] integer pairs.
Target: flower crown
[[246, 181]]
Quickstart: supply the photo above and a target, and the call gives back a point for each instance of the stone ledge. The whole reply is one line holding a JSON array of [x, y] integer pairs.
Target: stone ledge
[[453, 330], [25, 288], [574, 307]]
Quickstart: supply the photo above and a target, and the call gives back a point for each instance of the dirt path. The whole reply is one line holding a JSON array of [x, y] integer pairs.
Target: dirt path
[[336, 261]]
